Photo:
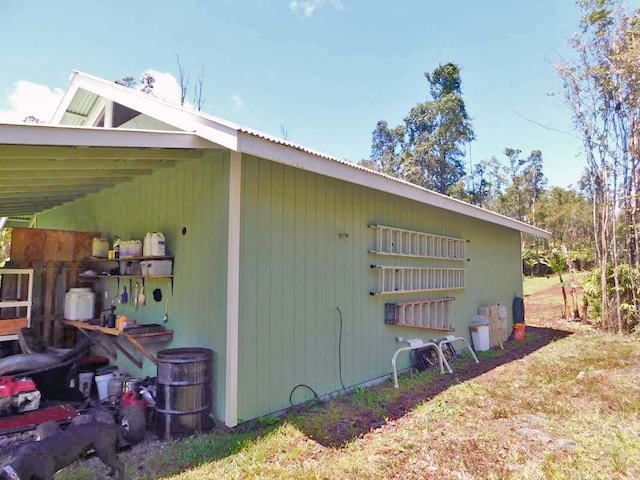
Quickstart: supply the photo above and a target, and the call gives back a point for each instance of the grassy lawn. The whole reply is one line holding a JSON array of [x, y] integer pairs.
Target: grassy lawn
[[566, 409]]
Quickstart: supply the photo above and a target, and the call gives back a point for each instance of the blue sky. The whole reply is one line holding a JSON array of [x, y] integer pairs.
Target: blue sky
[[327, 70]]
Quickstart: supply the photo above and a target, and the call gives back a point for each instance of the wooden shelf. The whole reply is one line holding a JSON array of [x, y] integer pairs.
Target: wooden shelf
[[106, 275], [129, 259], [137, 340]]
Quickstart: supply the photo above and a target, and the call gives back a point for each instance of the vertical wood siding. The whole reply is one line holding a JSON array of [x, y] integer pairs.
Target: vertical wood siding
[[296, 272], [194, 196]]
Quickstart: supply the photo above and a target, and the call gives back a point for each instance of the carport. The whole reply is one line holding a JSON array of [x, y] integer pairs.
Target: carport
[[45, 166]]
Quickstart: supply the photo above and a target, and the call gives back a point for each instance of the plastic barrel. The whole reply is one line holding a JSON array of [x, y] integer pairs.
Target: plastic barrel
[[184, 391]]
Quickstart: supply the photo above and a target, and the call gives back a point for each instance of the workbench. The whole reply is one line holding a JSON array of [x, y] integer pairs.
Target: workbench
[[111, 336]]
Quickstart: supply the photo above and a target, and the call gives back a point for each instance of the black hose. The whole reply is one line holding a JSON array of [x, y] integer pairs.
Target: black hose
[[340, 351], [305, 386]]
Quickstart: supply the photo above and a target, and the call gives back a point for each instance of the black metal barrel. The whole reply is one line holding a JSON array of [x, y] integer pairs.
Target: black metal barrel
[[184, 394]]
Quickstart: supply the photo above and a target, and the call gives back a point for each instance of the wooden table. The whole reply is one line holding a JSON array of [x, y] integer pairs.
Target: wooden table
[[137, 340]]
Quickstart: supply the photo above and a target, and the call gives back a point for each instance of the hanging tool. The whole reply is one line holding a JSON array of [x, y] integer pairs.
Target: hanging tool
[[135, 294], [142, 298], [124, 298], [165, 319]]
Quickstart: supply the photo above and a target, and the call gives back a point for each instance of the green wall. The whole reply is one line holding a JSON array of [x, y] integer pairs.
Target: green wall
[[193, 195], [296, 271]]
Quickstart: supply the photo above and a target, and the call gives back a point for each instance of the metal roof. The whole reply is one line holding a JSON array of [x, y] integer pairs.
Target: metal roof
[[83, 97]]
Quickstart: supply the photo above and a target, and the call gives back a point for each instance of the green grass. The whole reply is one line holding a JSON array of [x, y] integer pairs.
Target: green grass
[[535, 284]]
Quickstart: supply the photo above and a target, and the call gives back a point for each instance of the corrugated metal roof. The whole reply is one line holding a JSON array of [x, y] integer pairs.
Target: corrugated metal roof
[[224, 132], [80, 108]]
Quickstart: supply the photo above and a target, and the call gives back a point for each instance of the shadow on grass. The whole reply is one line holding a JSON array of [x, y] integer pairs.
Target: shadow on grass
[[342, 419]]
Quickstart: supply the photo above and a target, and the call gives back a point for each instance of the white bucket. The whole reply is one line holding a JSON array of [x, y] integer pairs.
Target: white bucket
[[79, 304], [102, 382], [85, 380], [480, 337]]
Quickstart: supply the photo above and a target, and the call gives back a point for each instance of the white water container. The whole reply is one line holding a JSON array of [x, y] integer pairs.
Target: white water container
[[146, 248], [100, 248], [157, 245], [136, 248], [79, 304]]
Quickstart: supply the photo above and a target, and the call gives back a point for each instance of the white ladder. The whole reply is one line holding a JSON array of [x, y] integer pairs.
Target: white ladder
[[417, 279], [409, 243]]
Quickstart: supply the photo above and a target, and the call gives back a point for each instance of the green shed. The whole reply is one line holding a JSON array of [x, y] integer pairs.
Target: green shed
[[294, 267]]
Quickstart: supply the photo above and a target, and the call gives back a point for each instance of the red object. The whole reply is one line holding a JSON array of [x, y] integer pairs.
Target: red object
[[9, 386], [30, 420], [133, 398], [518, 331]]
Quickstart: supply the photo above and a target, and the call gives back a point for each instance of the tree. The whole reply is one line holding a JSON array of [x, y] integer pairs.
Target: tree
[[183, 79], [428, 149], [386, 149], [32, 120], [437, 129], [602, 88], [145, 83]]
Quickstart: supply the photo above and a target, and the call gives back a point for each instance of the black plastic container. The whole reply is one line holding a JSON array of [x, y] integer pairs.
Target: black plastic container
[[184, 392]]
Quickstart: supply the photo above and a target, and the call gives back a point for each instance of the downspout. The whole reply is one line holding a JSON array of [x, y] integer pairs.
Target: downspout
[[233, 290]]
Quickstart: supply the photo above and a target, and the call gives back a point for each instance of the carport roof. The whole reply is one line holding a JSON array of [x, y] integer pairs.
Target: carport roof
[[45, 166]]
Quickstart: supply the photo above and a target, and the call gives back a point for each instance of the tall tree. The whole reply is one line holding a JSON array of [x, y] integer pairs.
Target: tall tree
[[602, 87], [428, 149], [386, 149], [437, 130]]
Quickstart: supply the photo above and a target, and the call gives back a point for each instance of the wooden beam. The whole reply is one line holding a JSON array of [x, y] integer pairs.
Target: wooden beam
[[103, 153], [13, 202], [48, 189], [43, 195], [101, 182], [86, 163], [19, 174], [50, 275]]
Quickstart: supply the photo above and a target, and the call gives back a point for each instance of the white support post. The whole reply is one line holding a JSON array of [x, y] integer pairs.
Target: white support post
[[108, 114], [233, 290]]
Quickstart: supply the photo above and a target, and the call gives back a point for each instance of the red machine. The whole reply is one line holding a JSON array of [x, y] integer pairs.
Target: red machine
[[18, 395]]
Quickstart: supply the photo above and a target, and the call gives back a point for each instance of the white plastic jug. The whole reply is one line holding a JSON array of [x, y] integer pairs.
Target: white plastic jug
[[79, 304], [136, 248], [146, 249], [157, 245], [100, 247]]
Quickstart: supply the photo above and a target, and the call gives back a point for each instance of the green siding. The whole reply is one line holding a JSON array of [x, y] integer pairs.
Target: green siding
[[295, 271], [193, 195]]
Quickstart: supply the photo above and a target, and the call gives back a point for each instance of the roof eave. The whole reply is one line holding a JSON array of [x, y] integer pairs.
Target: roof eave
[[340, 169], [14, 134]]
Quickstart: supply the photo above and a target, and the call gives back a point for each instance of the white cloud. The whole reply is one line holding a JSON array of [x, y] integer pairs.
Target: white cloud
[[30, 98], [308, 7], [165, 86], [237, 102]]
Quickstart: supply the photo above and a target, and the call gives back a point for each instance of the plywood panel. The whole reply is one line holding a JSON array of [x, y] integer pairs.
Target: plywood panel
[[32, 244]]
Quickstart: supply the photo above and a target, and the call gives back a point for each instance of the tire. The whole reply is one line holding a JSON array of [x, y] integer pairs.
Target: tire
[[133, 423]]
